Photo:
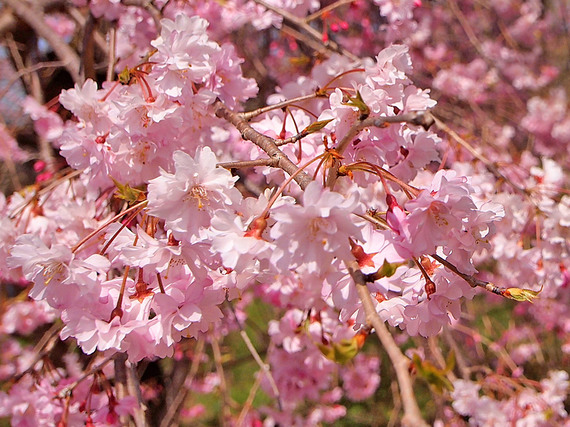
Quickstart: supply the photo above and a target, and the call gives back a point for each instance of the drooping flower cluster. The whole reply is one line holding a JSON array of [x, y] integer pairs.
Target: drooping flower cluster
[[177, 216]]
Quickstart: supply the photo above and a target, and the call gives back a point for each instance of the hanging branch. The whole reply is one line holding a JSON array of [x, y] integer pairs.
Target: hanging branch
[[516, 294], [35, 20], [412, 415]]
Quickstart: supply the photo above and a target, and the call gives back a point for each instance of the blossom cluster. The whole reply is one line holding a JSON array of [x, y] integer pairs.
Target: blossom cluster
[[179, 209]]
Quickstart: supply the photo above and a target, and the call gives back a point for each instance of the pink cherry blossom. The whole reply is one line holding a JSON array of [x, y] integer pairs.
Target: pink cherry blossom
[[197, 188]]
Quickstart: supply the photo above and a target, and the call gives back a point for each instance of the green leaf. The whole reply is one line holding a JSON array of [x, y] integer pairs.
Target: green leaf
[[125, 76], [126, 192], [359, 103], [316, 126], [341, 352], [521, 294], [387, 270], [435, 377]]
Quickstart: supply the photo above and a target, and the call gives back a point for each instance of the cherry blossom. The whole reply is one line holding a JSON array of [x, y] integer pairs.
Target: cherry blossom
[[319, 184]]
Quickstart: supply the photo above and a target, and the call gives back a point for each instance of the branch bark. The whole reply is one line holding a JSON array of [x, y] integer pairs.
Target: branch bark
[[264, 142]]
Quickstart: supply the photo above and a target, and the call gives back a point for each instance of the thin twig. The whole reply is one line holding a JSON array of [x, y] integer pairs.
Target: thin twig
[[139, 205], [419, 118], [460, 360], [27, 70], [306, 40], [327, 9], [254, 113], [226, 412], [299, 22], [264, 366], [488, 164], [41, 348], [35, 20], [248, 163], [249, 401], [397, 404], [69, 388]]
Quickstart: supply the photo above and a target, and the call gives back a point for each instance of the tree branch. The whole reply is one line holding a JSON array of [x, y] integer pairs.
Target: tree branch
[[412, 415], [264, 142], [35, 20]]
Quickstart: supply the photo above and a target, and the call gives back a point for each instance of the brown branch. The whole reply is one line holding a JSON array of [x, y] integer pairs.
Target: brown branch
[[88, 49], [134, 388], [34, 19], [226, 414], [412, 415], [419, 118], [120, 370], [248, 163], [82, 21], [112, 36], [254, 113], [264, 142]]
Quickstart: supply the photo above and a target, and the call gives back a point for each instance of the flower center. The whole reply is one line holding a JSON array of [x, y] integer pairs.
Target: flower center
[[199, 193]]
